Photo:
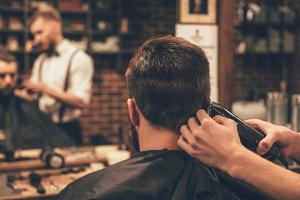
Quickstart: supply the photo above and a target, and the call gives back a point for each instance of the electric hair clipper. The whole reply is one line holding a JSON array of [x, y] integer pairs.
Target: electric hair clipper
[[249, 136]]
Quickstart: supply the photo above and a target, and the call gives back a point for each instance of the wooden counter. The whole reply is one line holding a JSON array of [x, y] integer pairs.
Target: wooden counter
[[73, 156], [53, 180], [53, 184]]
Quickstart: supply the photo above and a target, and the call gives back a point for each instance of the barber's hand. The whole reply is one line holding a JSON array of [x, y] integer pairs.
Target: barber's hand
[[23, 94], [213, 142], [280, 135], [34, 87]]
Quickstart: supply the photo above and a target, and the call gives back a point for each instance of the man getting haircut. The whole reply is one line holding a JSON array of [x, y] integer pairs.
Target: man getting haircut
[[168, 81]]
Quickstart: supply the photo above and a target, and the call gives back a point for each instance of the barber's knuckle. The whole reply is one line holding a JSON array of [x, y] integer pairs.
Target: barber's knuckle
[[206, 123], [194, 144], [199, 112], [216, 117], [197, 135], [194, 131], [231, 121], [193, 153], [190, 120], [264, 144], [197, 154], [183, 128], [179, 141]]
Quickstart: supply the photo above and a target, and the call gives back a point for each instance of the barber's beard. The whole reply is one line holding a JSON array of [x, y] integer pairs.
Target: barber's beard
[[135, 138], [51, 51]]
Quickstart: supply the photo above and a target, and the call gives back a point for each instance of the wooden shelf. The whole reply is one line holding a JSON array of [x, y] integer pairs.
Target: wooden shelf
[[22, 51], [103, 13], [69, 12], [74, 32], [7, 31], [104, 33], [8, 9], [265, 54], [250, 26]]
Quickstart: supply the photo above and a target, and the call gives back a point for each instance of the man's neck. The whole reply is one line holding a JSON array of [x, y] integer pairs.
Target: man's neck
[[58, 40], [151, 138]]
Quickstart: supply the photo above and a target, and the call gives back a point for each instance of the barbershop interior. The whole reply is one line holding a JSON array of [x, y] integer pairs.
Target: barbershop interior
[[83, 83]]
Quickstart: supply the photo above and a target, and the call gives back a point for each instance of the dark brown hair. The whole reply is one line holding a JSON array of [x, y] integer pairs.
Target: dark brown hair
[[169, 79], [6, 56]]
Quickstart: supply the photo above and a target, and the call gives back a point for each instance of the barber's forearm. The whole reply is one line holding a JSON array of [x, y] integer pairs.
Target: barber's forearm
[[277, 182], [65, 97]]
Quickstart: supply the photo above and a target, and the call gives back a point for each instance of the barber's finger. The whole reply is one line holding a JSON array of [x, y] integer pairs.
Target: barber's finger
[[253, 122], [202, 116], [193, 123], [182, 143], [257, 124], [224, 121], [220, 119], [186, 133], [265, 144]]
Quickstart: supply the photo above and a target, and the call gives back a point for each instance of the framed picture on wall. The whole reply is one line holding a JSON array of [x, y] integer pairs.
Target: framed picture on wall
[[198, 11]]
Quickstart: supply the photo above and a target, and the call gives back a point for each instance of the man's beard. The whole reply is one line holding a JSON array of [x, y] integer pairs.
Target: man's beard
[[49, 51]]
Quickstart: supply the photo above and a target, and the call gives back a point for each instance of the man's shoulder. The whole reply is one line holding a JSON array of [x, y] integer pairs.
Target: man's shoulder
[[141, 166], [73, 49], [153, 174], [40, 57], [90, 185], [80, 58], [82, 54]]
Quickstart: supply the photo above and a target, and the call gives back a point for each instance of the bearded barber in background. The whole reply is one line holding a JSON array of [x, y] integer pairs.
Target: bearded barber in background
[[61, 75]]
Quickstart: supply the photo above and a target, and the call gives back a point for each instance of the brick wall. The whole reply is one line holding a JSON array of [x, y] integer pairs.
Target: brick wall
[[108, 109]]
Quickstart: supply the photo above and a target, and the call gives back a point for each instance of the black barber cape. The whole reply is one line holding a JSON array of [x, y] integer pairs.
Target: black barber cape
[[152, 175], [25, 127]]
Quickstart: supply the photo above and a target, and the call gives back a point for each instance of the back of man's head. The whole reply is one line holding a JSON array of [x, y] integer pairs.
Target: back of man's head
[[169, 79]]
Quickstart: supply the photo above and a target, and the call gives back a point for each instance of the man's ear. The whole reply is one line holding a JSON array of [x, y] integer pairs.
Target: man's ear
[[133, 111], [56, 27]]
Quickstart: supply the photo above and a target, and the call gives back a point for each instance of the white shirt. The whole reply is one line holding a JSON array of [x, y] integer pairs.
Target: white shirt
[[53, 74]]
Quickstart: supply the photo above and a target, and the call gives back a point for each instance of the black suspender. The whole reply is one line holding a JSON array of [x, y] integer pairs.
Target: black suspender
[[66, 85], [66, 82]]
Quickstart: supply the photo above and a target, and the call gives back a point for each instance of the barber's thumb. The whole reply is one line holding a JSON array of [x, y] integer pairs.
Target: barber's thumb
[[265, 144]]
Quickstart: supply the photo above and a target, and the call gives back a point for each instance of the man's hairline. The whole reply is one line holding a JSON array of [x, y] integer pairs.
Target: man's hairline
[[45, 19], [154, 126]]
